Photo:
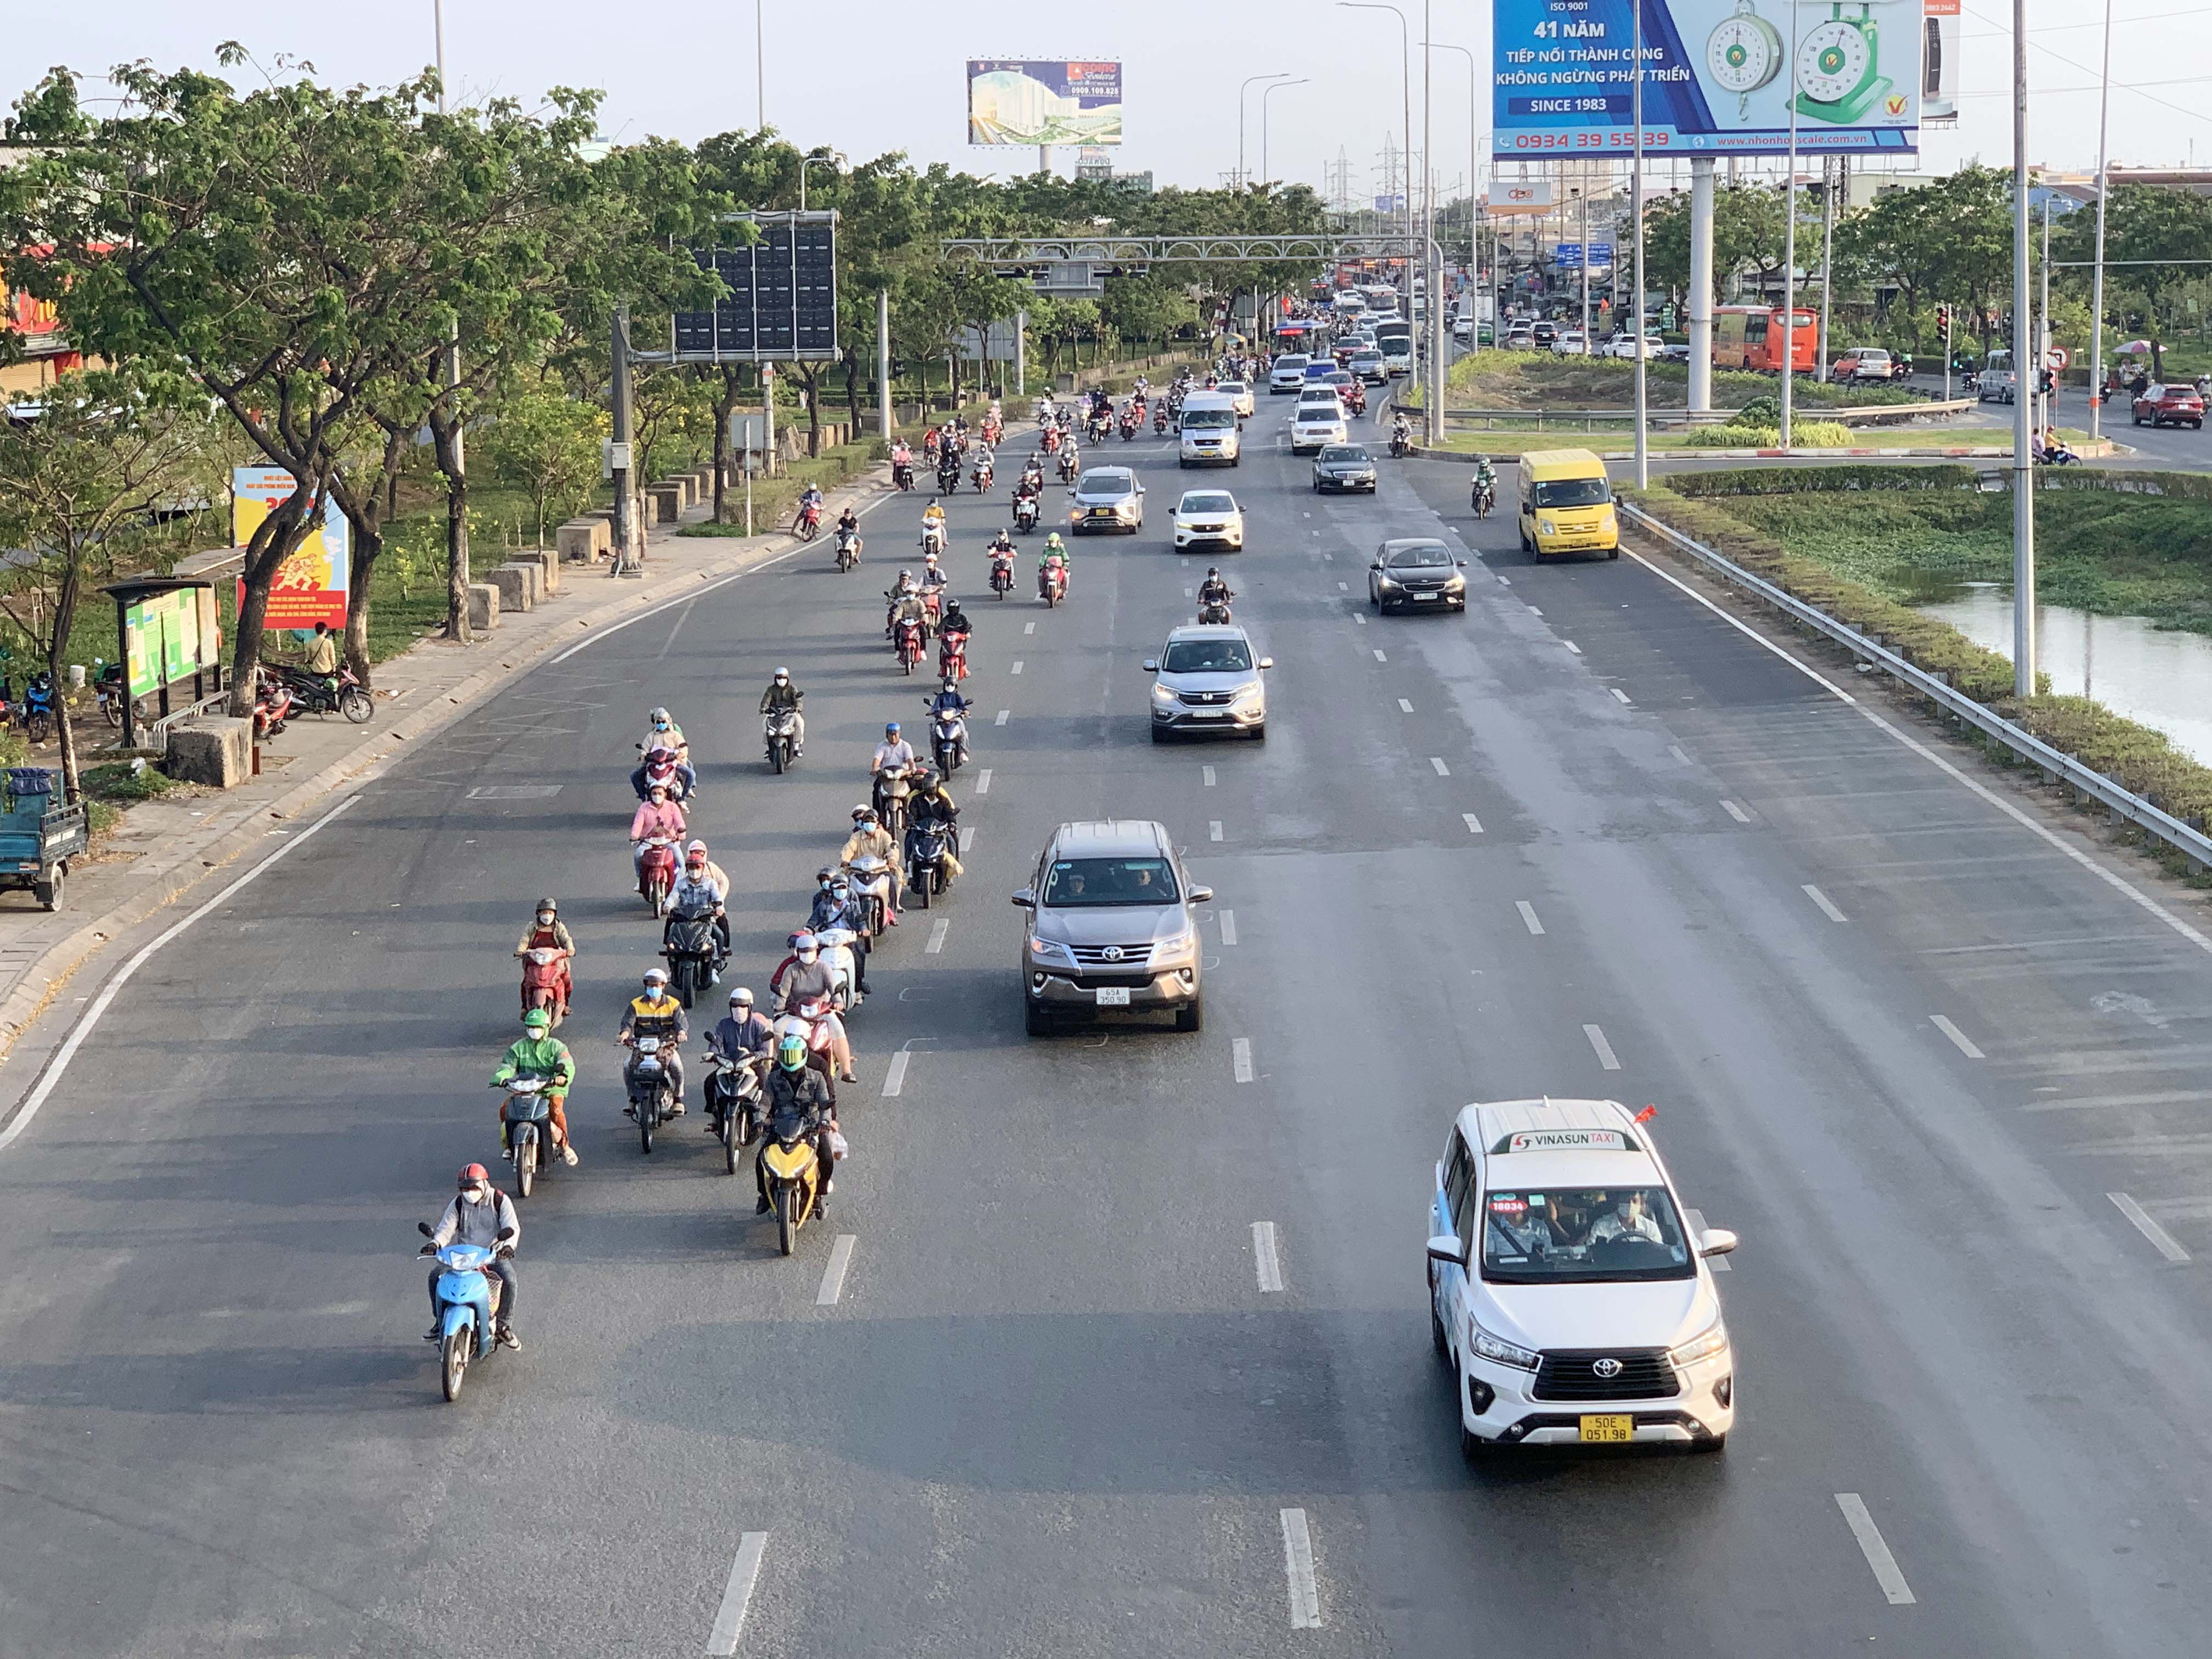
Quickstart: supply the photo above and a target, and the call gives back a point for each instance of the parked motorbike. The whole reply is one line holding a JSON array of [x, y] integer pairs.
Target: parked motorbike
[[795, 1179], [952, 656], [1002, 574], [652, 1096], [541, 982], [810, 522], [656, 873], [892, 789], [948, 741], [1052, 582], [526, 1130], [848, 549], [340, 693], [687, 942], [38, 707], [906, 642], [779, 729], [732, 1094], [468, 1306], [1025, 514], [272, 706], [926, 870]]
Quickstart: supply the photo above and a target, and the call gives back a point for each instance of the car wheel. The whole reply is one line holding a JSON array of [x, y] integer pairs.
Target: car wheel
[[1160, 733], [1036, 1020], [1191, 1016]]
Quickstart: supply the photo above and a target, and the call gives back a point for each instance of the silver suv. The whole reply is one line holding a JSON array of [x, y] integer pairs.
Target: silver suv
[[1207, 679], [1111, 925]]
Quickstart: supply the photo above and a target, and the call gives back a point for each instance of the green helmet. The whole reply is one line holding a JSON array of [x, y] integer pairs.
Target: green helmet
[[791, 1053], [537, 1020]]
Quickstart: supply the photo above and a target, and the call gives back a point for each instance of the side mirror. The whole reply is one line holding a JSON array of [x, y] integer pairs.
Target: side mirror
[[1445, 1248], [1716, 1241], [504, 1234], [1460, 564], [422, 1227], [1267, 662], [1377, 565], [1026, 899], [1151, 665], [1201, 896]]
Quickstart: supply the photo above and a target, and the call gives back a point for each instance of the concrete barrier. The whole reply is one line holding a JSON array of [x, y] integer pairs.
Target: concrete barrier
[[664, 501], [217, 753], [582, 540], [484, 605], [547, 566], [517, 585]]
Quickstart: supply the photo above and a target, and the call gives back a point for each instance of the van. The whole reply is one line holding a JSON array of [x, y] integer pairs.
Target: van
[[1566, 504], [1207, 432], [1996, 383]]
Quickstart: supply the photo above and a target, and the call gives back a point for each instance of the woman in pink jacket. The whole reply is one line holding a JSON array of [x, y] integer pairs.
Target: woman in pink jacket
[[658, 818]]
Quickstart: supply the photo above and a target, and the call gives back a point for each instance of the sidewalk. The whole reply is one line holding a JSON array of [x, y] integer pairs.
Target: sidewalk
[[164, 849]]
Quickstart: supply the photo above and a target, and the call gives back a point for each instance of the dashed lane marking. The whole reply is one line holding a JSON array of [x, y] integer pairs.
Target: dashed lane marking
[[1213, 830], [967, 838], [1736, 811], [1437, 761], [1528, 915], [1379, 657], [983, 782], [937, 930], [1240, 1058], [1606, 1057], [1265, 1262], [1207, 772], [1229, 928], [1404, 706], [895, 1078], [1886, 1571], [1572, 646], [1964, 1043], [737, 1596], [1474, 823], [1298, 1567], [1016, 668], [1001, 720], [1618, 693], [833, 1276], [1827, 905], [2161, 1240]]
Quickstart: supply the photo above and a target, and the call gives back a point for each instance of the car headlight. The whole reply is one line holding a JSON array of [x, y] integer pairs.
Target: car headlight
[[1548, 527], [1162, 697], [1045, 950], [1247, 695], [1457, 585], [1386, 581], [1498, 1350], [1168, 948], [1712, 1341]]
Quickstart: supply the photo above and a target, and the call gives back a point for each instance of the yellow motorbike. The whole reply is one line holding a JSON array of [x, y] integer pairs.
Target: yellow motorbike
[[794, 1181]]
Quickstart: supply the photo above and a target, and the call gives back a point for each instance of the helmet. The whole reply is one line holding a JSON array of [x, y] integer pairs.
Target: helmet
[[1213, 570], [782, 674], [659, 717], [862, 811], [806, 944], [474, 1175], [929, 558], [656, 788], [655, 976], [741, 998], [698, 846], [890, 728], [547, 906], [537, 1020], [906, 575], [791, 1052], [924, 778], [697, 854], [823, 876]]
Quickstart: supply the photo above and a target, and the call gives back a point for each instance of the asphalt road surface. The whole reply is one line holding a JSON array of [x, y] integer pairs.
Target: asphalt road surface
[[1937, 1058]]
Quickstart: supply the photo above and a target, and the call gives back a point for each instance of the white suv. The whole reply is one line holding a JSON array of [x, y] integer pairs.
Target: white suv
[[1568, 1287], [1289, 373], [1317, 423]]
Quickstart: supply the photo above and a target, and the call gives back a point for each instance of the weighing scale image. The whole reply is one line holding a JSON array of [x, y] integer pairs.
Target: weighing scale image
[[1837, 75]]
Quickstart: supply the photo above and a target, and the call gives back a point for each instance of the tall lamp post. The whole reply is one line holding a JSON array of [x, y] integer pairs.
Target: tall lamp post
[[1636, 214], [2024, 364], [460, 532], [1264, 96], [1474, 149], [2097, 281], [1243, 182], [834, 158], [1406, 95], [1790, 240]]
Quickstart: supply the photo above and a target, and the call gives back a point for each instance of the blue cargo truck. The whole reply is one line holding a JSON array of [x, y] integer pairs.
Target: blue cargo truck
[[39, 835]]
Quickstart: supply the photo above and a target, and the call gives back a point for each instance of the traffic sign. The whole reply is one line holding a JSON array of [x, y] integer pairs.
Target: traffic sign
[[2056, 357]]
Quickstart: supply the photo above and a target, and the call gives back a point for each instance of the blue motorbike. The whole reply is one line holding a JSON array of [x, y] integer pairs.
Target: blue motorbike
[[468, 1304], [38, 707]]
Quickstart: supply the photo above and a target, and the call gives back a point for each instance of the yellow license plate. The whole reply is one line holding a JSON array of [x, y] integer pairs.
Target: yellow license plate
[[1609, 1427]]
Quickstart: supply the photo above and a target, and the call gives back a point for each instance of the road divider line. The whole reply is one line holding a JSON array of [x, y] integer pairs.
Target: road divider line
[[833, 1276], [1240, 1059], [1605, 1054], [1697, 1220], [1213, 830], [1001, 720], [895, 1078], [1029, 627], [1532, 609], [1965, 1044], [1266, 1262], [1298, 1568], [1357, 617], [737, 1596], [1404, 706], [1207, 772], [1619, 696], [1528, 915], [1187, 592], [967, 838], [2161, 1240], [1474, 823], [1437, 761], [1676, 750], [1827, 905], [1229, 928], [1379, 657], [1503, 581], [1886, 1571], [1344, 587], [937, 930], [983, 782], [1572, 646], [1016, 668], [1736, 811]]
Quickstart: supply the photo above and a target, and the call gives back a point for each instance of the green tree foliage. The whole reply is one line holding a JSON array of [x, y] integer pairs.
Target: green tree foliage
[[548, 443]]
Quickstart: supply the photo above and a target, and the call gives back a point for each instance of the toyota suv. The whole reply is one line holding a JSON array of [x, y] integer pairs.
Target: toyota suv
[[1569, 1288], [1207, 679], [1111, 925]]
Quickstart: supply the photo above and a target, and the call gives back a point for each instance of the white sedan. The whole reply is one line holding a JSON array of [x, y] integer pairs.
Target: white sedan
[[1623, 345], [1210, 517], [1239, 394], [1569, 342]]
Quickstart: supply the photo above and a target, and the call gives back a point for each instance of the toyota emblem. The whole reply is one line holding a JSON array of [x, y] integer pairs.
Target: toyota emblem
[[1608, 1368], [1112, 953]]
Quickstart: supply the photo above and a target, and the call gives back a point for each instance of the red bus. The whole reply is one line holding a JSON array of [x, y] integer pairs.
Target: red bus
[[1750, 336]]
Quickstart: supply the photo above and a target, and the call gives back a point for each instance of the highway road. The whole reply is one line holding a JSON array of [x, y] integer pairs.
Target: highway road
[[1939, 1058]]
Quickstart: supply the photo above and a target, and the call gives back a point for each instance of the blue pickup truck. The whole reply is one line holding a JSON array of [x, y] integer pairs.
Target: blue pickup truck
[[38, 837]]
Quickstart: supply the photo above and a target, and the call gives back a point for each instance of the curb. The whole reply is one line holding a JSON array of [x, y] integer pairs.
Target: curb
[[1985, 453]]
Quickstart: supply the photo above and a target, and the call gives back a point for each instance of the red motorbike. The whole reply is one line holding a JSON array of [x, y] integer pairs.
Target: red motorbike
[[1052, 440], [908, 643], [272, 705], [1002, 574], [656, 873], [952, 657], [661, 772], [544, 982], [932, 608], [1052, 581], [810, 522]]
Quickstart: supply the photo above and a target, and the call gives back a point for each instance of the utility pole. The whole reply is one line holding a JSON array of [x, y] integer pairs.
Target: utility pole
[[1789, 242], [628, 556], [1584, 194], [459, 531], [1701, 282], [1433, 401], [1243, 178], [884, 362], [2023, 343], [1828, 170], [2045, 401], [2097, 283], [1636, 216], [760, 67]]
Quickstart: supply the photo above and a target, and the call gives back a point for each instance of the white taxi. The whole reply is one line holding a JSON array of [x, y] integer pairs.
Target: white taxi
[[1209, 518], [1569, 1290]]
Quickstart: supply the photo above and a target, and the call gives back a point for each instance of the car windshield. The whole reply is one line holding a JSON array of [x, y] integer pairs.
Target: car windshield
[[1345, 452], [1418, 556], [1294, 360], [1107, 485], [1210, 500], [1073, 882], [1193, 418], [1231, 388], [1214, 656], [1606, 1233], [1573, 492]]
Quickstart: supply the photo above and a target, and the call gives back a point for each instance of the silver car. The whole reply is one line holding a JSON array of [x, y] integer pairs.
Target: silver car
[[1207, 679], [1107, 498], [1111, 926]]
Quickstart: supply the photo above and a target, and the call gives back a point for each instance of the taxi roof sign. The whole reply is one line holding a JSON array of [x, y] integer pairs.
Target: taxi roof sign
[[1566, 1140]]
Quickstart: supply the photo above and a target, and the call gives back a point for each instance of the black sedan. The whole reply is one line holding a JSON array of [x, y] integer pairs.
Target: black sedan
[[1418, 574], [1343, 467]]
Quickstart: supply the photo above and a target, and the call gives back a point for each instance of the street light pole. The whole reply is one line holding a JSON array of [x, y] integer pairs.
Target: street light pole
[[460, 533], [1406, 97], [1789, 242], [1474, 235], [2097, 282], [2023, 346], [1266, 93], [1635, 214], [760, 67], [1243, 182]]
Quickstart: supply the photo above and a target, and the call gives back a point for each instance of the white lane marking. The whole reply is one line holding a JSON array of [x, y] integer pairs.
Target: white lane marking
[[2085, 1102], [1528, 915], [1533, 612], [937, 930], [1877, 1554], [67, 1052], [1474, 823], [1737, 812], [1719, 1264], [1298, 1567], [1213, 830], [1676, 750], [738, 1595], [682, 617], [1240, 1057], [1964, 1043], [2160, 1239], [1404, 706], [1379, 657], [1504, 580], [983, 782], [1229, 928], [967, 838], [1605, 1054], [1186, 592], [1827, 905], [2119, 882], [1265, 1262], [599, 634], [1016, 668], [895, 1078], [1358, 618], [1618, 693], [1572, 646], [833, 1276], [1001, 720], [1207, 772], [1436, 761], [1029, 627], [1343, 587]]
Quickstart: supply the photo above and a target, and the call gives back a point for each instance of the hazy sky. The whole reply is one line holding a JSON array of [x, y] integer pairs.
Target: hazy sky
[[863, 76]]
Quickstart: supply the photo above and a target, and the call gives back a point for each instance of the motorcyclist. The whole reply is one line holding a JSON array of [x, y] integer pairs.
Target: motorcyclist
[[809, 497], [930, 807], [1214, 590], [547, 931], [782, 694], [809, 982], [849, 523], [744, 1030], [658, 1013], [1401, 432], [662, 732], [835, 905], [1486, 478], [955, 620], [1002, 543], [479, 1213], [933, 517], [870, 840], [795, 1101], [657, 818], [1053, 549], [933, 574], [894, 755], [538, 1052], [1032, 482], [701, 889]]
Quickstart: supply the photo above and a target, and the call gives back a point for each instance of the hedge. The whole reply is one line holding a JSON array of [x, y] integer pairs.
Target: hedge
[[1807, 480]]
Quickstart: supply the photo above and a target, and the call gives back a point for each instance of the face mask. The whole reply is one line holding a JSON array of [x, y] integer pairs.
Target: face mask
[[476, 1194]]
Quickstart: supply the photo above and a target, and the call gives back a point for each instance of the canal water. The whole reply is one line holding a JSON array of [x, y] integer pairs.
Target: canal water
[[2159, 677]]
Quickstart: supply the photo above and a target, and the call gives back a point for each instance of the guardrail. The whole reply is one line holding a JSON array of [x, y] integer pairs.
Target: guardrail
[[1590, 419], [2186, 839]]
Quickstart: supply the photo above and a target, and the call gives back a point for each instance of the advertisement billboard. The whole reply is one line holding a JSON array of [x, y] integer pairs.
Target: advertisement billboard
[[310, 586], [1720, 76], [1025, 102], [1521, 196], [1939, 64]]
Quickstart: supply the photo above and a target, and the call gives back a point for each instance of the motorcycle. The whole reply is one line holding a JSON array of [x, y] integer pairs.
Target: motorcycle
[[948, 741], [2057, 455], [1002, 574], [1052, 582], [933, 537], [926, 870], [468, 1303], [1160, 421], [981, 477], [1025, 514], [836, 946], [109, 688], [1098, 427], [948, 477], [952, 656], [848, 549], [794, 1179], [651, 1099], [933, 610], [1051, 439], [663, 770], [810, 522], [903, 475], [779, 729], [315, 693], [733, 1093], [656, 873], [526, 1130], [1129, 429], [541, 982], [1214, 612], [688, 943], [892, 789], [908, 643], [1485, 497], [870, 878], [1068, 463], [38, 707], [272, 707], [1401, 445]]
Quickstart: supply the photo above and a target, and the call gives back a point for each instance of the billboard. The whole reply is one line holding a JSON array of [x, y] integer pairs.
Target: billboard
[[782, 303], [1521, 196], [1025, 102], [1939, 64], [310, 586], [1719, 76]]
